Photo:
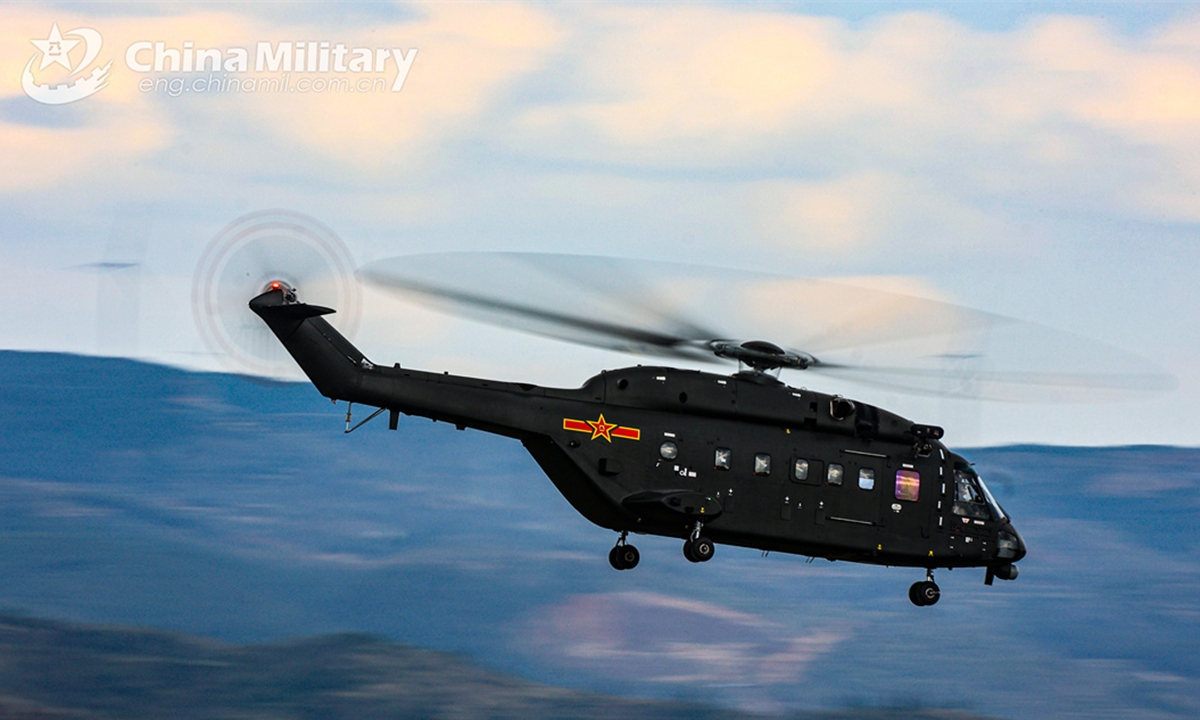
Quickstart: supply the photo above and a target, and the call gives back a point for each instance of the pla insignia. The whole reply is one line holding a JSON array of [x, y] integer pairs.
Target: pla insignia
[[601, 428]]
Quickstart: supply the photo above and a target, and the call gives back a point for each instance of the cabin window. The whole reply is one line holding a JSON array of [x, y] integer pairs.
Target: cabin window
[[668, 450], [762, 464], [908, 485], [834, 475], [800, 469], [723, 458], [866, 479]]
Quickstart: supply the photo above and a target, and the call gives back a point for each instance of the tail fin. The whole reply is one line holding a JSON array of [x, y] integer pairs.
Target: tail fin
[[325, 356]]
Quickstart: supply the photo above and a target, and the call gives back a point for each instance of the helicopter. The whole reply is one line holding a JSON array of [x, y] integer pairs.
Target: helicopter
[[738, 459]]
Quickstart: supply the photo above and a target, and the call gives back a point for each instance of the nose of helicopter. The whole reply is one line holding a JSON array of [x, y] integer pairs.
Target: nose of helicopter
[[1011, 545]]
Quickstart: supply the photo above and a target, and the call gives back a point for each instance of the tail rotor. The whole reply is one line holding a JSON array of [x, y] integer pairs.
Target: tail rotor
[[246, 257]]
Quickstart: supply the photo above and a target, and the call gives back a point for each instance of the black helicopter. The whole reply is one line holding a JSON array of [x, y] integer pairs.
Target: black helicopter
[[740, 459]]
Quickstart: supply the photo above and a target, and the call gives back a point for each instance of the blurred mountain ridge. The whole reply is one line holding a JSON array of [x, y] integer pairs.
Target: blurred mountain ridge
[[62, 670]]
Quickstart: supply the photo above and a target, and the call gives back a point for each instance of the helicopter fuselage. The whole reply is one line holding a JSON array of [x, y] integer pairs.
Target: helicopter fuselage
[[745, 458]]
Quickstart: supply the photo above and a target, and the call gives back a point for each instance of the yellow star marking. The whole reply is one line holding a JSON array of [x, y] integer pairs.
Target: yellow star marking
[[600, 428]]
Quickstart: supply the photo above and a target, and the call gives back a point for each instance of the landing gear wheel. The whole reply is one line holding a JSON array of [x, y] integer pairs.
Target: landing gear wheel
[[699, 549], [924, 593], [627, 557], [623, 556]]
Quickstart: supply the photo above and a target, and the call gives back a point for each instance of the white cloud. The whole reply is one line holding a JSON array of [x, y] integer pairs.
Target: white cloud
[[467, 57], [1058, 111], [861, 212], [113, 130]]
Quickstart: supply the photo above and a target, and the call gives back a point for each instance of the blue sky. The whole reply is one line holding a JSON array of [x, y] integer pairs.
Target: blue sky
[[1037, 160]]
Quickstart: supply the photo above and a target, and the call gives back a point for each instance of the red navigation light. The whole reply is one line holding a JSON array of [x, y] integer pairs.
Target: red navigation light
[[289, 293]]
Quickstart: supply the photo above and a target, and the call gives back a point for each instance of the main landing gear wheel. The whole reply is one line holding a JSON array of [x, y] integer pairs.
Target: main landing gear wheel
[[699, 549], [624, 556], [925, 593]]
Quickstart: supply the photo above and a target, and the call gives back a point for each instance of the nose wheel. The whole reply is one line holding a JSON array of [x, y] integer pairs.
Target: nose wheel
[[926, 592], [698, 548], [623, 556]]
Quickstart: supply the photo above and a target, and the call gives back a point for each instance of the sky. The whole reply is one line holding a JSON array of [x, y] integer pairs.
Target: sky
[[1035, 160]]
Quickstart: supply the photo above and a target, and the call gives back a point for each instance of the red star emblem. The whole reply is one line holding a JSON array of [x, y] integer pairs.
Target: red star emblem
[[601, 428]]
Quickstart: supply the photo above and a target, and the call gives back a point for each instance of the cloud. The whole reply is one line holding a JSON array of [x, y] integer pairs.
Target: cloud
[[910, 117], [33, 158], [466, 58], [1060, 111], [696, 73], [661, 81], [468, 55], [860, 212], [1145, 88], [111, 132], [1114, 121]]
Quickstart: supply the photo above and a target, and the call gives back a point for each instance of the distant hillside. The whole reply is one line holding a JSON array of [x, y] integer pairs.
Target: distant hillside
[[236, 510], [58, 670]]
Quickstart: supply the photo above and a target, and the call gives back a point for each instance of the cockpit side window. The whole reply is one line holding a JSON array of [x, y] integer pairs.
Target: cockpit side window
[[968, 501], [967, 492], [971, 498]]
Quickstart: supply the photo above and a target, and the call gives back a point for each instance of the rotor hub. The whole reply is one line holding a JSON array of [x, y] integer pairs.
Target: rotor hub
[[762, 356]]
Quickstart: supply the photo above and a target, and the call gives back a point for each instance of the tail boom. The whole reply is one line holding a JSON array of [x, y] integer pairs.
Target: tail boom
[[340, 371]]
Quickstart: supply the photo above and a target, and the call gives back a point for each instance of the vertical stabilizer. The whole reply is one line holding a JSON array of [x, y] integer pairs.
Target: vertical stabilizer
[[325, 356]]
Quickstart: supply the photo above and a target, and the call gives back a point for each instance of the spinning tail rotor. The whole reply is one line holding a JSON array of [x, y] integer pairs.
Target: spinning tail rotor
[[251, 254]]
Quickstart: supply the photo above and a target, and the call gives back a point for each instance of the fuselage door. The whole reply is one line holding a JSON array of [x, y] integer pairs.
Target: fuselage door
[[909, 497]]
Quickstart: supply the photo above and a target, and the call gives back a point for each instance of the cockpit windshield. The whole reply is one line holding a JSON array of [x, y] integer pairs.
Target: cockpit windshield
[[997, 511], [972, 498]]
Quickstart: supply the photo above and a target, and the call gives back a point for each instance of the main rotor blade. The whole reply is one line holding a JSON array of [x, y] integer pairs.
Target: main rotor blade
[[1009, 361], [602, 302], [861, 329]]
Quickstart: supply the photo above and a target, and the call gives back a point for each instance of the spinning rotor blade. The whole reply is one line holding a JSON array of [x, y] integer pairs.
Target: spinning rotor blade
[[857, 329], [588, 300], [249, 253], [1010, 361]]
